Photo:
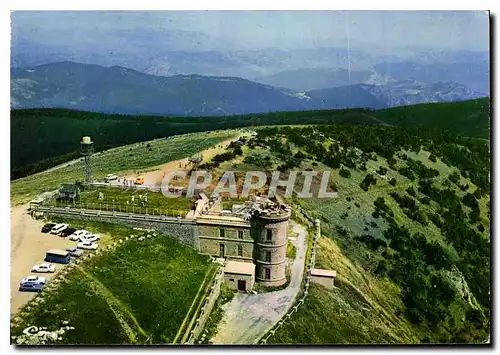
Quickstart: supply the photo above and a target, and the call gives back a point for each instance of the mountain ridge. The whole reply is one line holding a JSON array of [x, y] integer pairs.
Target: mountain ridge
[[121, 90]]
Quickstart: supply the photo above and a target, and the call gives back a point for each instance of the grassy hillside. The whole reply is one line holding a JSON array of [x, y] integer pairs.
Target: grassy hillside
[[42, 138], [408, 234], [133, 157], [395, 235], [138, 293]]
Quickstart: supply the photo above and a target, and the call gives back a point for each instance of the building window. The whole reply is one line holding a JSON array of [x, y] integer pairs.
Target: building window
[[268, 256], [221, 233], [231, 280], [269, 235], [267, 273], [240, 250], [240, 234], [222, 250]]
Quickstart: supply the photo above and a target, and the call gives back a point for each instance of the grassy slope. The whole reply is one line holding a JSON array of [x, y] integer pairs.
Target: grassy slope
[[131, 157], [363, 308], [144, 288], [116, 199]]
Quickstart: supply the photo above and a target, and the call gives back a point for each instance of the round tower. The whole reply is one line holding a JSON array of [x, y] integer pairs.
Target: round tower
[[271, 234]]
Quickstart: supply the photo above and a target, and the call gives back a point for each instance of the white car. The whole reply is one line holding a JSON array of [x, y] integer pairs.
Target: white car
[[58, 228], [46, 267], [90, 238], [87, 245], [34, 279], [79, 234], [110, 177]]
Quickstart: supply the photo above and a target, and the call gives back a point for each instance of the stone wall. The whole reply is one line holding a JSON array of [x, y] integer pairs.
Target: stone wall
[[184, 231], [207, 307], [210, 240]]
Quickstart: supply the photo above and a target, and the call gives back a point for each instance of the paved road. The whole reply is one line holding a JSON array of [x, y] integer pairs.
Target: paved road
[[248, 317]]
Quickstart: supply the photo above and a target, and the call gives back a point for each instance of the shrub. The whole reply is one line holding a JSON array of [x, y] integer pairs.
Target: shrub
[[393, 182], [382, 170], [345, 173]]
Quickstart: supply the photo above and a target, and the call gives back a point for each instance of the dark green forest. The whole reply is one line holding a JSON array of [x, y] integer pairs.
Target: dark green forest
[[42, 138]]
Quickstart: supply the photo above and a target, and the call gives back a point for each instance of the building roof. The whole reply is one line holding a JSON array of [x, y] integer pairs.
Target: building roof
[[324, 273], [68, 189], [238, 267]]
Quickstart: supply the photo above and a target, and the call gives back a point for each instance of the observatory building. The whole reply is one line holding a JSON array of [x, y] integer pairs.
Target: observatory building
[[252, 237]]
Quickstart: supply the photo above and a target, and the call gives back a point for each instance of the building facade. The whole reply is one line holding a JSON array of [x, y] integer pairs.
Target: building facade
[[257, 234]]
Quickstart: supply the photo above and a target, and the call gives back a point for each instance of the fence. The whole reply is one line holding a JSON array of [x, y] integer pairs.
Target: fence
[[118, 185], [206, 308], [116, 207], [305, 290]]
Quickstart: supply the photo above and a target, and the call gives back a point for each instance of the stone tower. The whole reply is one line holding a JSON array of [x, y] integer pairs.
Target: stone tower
[[270, 230]]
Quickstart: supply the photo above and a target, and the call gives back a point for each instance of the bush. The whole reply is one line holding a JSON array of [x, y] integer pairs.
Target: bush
[[393, 182], [382, 170], [345, 173]]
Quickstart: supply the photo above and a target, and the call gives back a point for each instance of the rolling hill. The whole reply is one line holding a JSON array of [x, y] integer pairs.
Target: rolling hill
[[41, 138]]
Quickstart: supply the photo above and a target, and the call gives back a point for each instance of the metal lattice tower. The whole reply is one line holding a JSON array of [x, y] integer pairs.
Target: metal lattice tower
[[87, 149]]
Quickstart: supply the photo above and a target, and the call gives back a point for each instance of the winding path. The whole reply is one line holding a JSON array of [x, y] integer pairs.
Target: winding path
[[250, 316]]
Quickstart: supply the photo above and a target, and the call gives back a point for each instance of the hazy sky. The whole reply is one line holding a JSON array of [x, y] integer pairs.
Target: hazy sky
[[383, 30]]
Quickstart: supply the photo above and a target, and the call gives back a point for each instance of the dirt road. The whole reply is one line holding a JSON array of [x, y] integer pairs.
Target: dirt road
[[248, 317], [28, 246], [155, 175]]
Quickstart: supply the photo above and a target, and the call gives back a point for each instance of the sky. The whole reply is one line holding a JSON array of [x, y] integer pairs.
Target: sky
[[386, 31]]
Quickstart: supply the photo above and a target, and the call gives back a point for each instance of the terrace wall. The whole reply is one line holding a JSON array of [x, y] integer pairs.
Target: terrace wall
[[185, 231]]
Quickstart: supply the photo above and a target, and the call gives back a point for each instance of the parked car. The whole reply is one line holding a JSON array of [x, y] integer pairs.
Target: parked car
[[31, 287], [90, 238], [75, 252], [110, 177], [78, 234], [58, 228], [48, 227], [67, 231], [87, 245], [139, 180], [34, 279], [45, 267]]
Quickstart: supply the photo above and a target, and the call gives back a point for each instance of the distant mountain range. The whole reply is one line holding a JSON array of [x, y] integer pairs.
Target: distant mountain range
[[121, 90]]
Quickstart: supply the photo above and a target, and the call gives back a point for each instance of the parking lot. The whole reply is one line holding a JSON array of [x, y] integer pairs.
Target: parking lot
[[28, 247]]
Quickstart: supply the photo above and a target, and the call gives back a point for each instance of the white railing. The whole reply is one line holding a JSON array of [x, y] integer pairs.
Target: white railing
[[207, 306], [305, 290]]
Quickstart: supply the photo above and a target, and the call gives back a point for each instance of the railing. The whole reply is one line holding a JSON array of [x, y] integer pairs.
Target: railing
[[305, 290], [115, 208], [117, 185], [114, 214], [207, 306]]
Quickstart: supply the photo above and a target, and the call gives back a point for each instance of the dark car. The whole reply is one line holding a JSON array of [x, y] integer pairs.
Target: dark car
[[31, 287], [75, 252], [67, 232], [46, 228]]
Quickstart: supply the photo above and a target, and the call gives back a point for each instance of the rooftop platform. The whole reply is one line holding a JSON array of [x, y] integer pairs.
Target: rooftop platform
[[240, 268], [324, 273]]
